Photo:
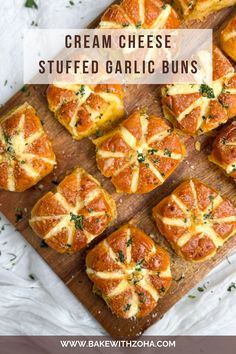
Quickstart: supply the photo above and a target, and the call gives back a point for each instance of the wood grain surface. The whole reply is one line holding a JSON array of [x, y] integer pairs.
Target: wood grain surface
[[135, 208]]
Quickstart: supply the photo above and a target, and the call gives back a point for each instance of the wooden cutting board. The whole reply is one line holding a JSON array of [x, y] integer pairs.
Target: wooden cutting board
[[135, 208]]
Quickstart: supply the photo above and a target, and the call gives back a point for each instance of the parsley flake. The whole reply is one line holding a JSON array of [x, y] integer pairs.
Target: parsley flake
[[121, 256], [78, 221], [231, 287], [129, 242], [18, 214], [138, 24], [127, 307], [167, 152], [206, 91], [152, 151], [141, 157], [139, 265], [31, 4], [81, 91]]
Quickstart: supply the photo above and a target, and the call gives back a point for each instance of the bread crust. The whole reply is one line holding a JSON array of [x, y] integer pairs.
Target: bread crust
[[140, 154], [224, 150], [200, 9], [130, 271], [69, 218], [26, 154], [83, 109], [196, 220], [197, 109], [148, 14], [228, 38]]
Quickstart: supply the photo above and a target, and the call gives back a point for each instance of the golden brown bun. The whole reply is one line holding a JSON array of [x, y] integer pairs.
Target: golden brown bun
[[197, 109], [199, 9], [228, 39], [129, 271], [196, 220], [146, 14], [77, 212], [140, 154], [26, 155], [224, 150], [83, 109]]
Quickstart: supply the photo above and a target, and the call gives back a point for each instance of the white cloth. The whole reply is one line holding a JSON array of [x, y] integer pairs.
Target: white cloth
[[44, 305]]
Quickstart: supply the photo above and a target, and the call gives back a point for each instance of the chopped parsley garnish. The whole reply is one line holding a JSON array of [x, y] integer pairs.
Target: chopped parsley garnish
[[98, 133], [121, 256], [207, 91], [138, 24], [152, 151], [164, 7], [157, 160], [81, 91], [192, 297], [127, 307], [31, 276], [231, 287], [125, 24], [224, 91], [129, 242], [139, 265], [71, 3], [211, 198], [167, 152], [10, 150], [162, 289], [31, 4], [18, 214], [7, 139], [78, 221], [22, 162], [212, 116], [200, 289], [141, 157], [5, 83], [207, 216]]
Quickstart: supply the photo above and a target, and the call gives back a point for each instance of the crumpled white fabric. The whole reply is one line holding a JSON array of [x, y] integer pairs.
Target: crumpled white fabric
[[43, 305]]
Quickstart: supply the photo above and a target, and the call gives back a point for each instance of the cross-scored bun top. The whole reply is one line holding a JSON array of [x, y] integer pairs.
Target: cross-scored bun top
[[146, 14], [26, 155], [224, 150], [198, 9], [196, 220], [78, 211], [228, 38], [129, 271], [82, 109], [140, 154], [197, 109]]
